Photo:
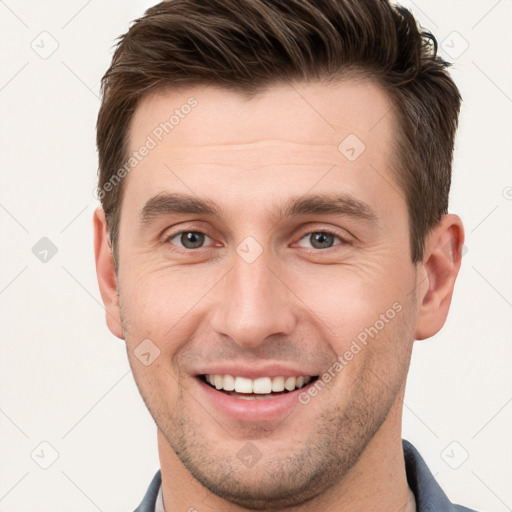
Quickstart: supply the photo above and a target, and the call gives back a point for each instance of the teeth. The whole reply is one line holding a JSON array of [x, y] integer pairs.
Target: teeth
[[289, 383], [229, 383], [278, 384], [218, 381], [243, 385], [262, 386], [259, 386]]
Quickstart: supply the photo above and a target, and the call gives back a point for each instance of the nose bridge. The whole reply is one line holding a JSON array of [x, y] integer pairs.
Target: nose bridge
[[253, 303]]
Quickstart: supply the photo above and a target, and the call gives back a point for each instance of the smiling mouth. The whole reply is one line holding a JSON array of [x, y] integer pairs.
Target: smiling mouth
[[256, 389]]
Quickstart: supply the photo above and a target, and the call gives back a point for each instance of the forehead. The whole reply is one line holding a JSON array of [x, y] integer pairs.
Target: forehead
[[310, 112], [213, 141]]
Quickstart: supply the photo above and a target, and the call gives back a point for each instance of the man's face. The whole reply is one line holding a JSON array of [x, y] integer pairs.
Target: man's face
[[274, 282]]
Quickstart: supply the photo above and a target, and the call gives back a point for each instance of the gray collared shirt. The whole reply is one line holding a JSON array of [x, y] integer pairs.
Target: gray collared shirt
[[428, 496]]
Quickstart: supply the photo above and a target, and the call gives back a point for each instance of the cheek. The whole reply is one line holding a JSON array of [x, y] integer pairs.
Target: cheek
[[161, 311], [347, 297], [156, 300], [364, 315]]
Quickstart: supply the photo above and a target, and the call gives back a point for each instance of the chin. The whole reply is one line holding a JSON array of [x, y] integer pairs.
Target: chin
[[263, 489]]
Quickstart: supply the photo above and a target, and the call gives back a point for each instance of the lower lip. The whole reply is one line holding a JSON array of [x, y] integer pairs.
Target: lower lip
[[252, 410]]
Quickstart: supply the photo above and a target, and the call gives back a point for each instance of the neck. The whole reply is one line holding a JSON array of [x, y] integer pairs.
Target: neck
[[376, 482]]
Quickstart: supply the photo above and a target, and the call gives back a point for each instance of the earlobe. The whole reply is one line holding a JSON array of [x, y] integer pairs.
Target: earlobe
[[440, 267], [106, 274]]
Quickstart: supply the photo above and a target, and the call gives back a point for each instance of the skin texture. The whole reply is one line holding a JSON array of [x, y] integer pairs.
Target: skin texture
[[295, 304]]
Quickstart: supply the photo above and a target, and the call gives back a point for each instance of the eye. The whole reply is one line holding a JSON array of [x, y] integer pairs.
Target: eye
[[189, 239], [320, 240]]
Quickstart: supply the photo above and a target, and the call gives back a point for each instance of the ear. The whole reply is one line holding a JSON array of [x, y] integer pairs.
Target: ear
[[437, 274], [106, 274]]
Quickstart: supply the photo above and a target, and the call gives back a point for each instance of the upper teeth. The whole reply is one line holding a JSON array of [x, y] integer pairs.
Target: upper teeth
[[263, 385]]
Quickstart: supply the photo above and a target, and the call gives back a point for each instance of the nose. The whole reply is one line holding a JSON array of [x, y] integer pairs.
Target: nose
[[253, 303]]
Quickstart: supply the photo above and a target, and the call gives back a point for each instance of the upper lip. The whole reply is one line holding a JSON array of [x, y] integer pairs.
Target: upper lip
[[253, 371]]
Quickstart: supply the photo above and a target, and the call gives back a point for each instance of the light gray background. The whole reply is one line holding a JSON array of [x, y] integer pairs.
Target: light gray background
[[65, 380]]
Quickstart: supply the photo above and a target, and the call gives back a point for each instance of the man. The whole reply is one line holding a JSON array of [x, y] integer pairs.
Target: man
[[274, 235]]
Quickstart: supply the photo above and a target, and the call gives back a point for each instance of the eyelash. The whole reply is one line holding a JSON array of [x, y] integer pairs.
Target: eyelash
[[323, 231]]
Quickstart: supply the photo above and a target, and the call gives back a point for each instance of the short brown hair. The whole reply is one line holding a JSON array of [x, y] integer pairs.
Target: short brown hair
[[248, 45]]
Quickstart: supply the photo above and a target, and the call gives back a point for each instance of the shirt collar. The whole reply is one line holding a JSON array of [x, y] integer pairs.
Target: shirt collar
[[159, 505]]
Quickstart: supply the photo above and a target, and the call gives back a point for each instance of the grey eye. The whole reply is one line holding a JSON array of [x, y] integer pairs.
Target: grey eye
[[320, 240], [189, 239]]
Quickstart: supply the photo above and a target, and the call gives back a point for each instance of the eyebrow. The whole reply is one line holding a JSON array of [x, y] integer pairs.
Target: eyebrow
[[315, 204]]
